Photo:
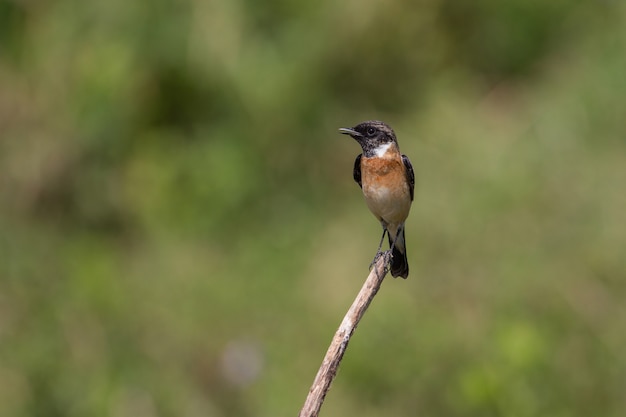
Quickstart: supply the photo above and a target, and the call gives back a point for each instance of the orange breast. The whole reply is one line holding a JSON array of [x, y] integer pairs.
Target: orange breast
[[385, 188]]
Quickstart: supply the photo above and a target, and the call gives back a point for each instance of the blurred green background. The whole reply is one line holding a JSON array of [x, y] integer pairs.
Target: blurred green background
[[180, 234]]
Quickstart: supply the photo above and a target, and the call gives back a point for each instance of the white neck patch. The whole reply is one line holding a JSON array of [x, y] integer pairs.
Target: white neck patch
[[382, 149]]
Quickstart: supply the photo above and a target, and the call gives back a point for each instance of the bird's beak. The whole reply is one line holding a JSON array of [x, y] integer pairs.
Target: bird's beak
[[351, 132]]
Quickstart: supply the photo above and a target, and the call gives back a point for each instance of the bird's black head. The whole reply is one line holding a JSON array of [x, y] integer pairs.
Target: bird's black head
[[371, 135]]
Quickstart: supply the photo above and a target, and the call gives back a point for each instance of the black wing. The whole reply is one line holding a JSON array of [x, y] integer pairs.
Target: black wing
[[410, 175], [356, 173]]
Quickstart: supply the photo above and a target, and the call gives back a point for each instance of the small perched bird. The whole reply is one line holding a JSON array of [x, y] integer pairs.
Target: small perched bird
[[388, 182]]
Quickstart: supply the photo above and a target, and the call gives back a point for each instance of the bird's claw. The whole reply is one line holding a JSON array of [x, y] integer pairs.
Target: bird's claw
[[387, 254]]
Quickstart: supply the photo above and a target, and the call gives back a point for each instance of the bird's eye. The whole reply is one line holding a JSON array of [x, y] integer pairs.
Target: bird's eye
[[371, 131]]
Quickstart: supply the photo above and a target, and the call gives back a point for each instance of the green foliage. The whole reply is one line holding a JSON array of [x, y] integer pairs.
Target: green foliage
[[181, 234]]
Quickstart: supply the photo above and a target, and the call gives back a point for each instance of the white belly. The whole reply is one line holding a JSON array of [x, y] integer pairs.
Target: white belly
[[387, 205]]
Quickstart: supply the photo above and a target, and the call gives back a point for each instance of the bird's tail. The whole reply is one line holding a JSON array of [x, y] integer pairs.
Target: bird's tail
[[399, 262]]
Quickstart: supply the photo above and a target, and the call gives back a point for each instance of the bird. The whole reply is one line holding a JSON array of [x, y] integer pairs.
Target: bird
[[387, 180]]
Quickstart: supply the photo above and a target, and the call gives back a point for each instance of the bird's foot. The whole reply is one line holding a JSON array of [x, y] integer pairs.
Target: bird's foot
[[387, 255], [376, 258]]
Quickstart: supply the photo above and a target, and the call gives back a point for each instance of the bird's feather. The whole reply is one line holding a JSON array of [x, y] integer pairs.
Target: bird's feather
[[410, 175], [356, 173]]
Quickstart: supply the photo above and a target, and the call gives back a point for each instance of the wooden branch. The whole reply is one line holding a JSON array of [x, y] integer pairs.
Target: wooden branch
[[339, 344]]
